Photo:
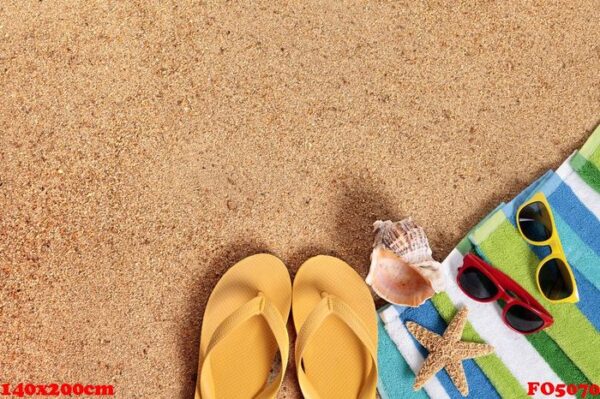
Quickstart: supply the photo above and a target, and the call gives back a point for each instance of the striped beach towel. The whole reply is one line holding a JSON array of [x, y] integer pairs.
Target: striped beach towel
[[566, 353]]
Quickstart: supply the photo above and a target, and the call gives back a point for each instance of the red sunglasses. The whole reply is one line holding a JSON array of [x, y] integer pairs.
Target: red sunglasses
[[483, 283]]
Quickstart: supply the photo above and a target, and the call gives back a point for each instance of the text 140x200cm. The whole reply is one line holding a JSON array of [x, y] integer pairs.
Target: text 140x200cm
[[21, 390]]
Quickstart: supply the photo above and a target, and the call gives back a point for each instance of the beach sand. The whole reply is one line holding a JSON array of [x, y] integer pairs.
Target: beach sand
[[147, 146]]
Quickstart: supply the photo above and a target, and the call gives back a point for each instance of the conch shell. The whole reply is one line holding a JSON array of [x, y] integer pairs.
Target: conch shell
[[402, 270]]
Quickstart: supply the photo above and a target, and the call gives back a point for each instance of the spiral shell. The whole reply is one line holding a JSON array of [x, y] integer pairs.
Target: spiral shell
[[402, 269]]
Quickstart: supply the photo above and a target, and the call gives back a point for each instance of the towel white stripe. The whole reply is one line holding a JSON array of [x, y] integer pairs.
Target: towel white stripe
[[589, 197], [408, 349], [519, 356]]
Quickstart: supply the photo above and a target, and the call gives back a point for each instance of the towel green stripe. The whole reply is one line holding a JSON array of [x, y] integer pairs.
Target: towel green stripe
[[589, 149], [572, 331], [558, 361], [595, 159], [588, 172], [495, 370]]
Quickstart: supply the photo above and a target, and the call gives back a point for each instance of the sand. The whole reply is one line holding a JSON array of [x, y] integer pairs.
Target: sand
[[147, 146]]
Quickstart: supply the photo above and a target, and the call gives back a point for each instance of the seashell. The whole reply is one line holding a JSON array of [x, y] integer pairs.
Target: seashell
[[397, 281], [402, 269]]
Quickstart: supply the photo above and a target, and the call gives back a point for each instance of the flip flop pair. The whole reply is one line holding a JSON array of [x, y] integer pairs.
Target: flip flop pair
[[244, 328]]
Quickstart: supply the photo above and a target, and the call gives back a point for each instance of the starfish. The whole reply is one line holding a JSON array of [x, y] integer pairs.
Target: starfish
[[447, 351]]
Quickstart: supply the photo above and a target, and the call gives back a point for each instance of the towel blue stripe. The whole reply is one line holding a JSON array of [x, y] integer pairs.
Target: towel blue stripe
[[589, 299], [577, 216], [582, 257], [479, 385], [395, 375]]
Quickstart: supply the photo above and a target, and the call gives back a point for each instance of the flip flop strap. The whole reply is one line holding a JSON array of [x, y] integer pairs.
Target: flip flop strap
[[327, 307], [258, 306]]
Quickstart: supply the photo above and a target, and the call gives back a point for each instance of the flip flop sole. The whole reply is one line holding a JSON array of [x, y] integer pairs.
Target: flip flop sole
[[335, 361], [241, 364]]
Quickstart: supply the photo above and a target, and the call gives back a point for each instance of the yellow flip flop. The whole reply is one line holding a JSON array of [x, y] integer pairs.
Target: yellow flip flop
[[243, 328], [334, 315]]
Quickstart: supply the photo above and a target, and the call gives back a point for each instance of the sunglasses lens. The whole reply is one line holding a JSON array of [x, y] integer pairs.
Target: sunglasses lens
[[554, 280], [534, 221], [523, 319], [476, 284]]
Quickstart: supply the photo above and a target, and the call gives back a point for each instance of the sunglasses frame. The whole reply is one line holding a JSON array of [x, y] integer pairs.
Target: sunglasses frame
[[556, 249], [504, 285]]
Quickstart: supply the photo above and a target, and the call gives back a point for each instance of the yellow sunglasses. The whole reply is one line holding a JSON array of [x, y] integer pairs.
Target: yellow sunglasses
[[553, 275]]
